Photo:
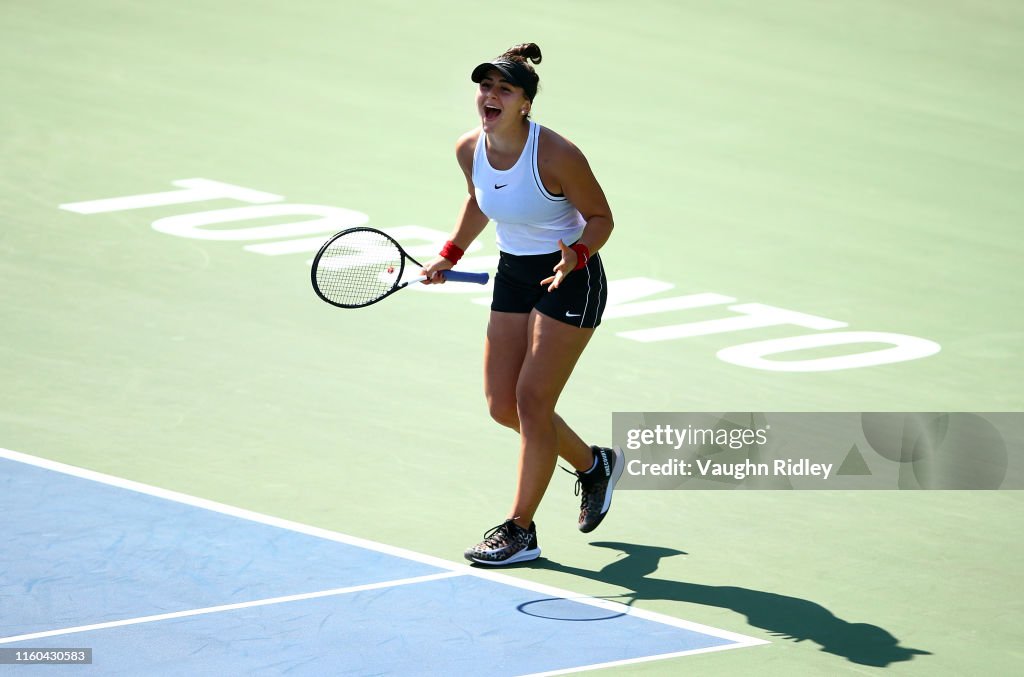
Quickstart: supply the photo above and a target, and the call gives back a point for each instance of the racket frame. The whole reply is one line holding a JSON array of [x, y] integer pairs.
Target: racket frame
[[456, 276]]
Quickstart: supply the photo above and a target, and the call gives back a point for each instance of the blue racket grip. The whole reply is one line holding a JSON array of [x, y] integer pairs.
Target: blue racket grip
[[460, 276]]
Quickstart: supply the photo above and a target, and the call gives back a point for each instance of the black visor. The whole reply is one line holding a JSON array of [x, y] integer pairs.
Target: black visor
[[513, 71]]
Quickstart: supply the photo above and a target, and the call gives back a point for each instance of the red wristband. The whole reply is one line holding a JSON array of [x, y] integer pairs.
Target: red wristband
[[582, 255], [452, 252]]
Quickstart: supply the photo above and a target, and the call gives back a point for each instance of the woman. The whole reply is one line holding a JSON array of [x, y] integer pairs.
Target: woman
[[548, 295]]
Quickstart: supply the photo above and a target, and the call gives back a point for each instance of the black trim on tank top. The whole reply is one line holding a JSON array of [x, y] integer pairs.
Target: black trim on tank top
[[560, 197]]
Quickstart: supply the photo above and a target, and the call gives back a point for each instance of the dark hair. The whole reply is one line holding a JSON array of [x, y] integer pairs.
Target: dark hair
[[525, 53], [522, 52]]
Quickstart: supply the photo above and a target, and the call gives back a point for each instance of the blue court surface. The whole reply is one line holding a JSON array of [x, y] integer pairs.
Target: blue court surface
[[157, 582]]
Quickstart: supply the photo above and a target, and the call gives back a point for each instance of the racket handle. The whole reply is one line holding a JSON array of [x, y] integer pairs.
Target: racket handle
[[460, 276]]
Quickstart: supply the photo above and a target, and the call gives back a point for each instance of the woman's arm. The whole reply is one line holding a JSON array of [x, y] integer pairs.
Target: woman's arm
[[471, 221], [564, 164]]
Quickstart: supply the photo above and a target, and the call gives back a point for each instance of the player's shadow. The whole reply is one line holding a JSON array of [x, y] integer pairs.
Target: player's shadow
[[781, 615]]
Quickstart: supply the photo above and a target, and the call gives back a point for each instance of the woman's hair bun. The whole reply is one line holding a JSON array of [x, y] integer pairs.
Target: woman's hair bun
[[524, 51]]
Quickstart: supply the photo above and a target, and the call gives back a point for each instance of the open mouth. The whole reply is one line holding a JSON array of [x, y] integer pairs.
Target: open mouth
[[491, 113]]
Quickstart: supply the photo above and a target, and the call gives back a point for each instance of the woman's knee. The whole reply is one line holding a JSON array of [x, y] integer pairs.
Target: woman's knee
[[504, 411], [533, 404]]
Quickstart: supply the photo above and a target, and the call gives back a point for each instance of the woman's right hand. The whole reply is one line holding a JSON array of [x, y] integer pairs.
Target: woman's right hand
[[434, 271]]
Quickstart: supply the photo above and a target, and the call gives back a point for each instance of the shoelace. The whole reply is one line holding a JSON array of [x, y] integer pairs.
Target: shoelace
[[579, 480], [497, 536], [578, 489]]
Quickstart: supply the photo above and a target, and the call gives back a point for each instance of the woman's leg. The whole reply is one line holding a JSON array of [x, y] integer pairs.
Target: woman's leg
[[551, 351], [505, 350]]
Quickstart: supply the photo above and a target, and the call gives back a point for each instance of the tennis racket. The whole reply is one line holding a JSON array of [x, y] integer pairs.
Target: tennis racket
[[360, 266]]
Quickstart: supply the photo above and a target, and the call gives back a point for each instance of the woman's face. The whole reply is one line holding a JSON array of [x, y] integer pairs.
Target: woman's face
[[500, 103]]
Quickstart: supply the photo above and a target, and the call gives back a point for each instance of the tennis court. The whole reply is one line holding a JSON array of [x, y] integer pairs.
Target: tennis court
[[121, 564], [206, 469]]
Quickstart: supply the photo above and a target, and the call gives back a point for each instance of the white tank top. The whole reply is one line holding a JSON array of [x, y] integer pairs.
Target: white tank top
[[528, 219]]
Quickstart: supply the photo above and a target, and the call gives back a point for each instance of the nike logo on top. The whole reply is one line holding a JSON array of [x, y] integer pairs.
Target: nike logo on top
[[497, 187]]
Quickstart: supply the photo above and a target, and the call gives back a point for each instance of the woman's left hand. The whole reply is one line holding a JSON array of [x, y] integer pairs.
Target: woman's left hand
[[562, 270]]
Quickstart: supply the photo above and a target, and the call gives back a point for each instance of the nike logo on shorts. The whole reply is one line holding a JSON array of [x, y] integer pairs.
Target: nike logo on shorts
[[568, 314]]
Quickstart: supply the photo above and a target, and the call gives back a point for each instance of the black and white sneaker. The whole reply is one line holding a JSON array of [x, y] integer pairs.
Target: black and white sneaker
[[506, 543], [596, 485]]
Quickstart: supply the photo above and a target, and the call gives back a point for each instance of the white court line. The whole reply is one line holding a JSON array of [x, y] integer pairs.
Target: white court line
[[738, 640], [631, 661], [230, 607]]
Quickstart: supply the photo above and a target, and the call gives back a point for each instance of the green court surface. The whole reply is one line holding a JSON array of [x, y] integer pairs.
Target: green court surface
[[859, 164]]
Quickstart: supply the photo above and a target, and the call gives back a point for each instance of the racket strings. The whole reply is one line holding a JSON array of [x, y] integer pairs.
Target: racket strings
[[358, 268]]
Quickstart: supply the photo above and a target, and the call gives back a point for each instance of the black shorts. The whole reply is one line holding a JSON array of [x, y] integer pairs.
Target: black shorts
[[579, 300]]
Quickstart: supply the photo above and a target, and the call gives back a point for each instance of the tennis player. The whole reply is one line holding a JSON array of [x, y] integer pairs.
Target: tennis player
[[550, 290]]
